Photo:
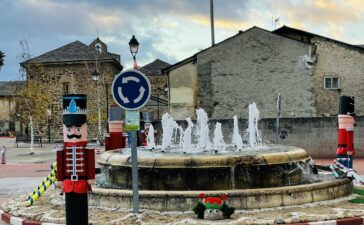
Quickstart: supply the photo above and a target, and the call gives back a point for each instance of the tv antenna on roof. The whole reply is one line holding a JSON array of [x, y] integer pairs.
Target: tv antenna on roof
[[275, 22]]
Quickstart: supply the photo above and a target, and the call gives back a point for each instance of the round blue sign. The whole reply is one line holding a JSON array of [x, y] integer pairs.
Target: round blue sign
[[131, 89]]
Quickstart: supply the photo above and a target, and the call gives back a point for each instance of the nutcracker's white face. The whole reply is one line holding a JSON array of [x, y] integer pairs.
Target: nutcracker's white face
[[75, 134]]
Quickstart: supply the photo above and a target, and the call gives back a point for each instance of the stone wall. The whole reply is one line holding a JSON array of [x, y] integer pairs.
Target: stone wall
[[7, 106], [79, 77], [317, 135], [7, 115], [183, 91], [338, 60], [159, 85], [254, 67]]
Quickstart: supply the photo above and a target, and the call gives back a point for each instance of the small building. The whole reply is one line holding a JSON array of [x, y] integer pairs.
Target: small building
[[69, 69], [9, 119], [251, 66], [338, 70]]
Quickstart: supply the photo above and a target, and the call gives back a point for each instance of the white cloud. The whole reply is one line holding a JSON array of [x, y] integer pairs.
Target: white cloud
[[170, 30]]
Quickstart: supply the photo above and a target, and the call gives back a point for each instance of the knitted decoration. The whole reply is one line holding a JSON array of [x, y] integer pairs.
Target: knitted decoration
[[213, 208]]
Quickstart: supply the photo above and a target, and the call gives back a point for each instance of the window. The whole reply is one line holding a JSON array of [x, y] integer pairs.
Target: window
[[66, 88], [332, 82]]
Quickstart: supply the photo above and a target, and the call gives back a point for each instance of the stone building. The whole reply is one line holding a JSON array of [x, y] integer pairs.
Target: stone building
[[158, 103], [9, 119], [338, 70], [252, 66], [67, 70]]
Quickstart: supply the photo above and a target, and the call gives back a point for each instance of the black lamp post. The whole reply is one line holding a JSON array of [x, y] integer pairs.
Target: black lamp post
[[95, 77], [134, 46]]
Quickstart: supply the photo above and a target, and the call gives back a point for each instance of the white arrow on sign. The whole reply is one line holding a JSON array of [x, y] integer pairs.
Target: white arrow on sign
[[122, 97], [131, 78], [141, 94]]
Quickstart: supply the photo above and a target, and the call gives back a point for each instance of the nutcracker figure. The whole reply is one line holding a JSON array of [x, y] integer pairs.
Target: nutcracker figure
[[75, 161], [345, 148]]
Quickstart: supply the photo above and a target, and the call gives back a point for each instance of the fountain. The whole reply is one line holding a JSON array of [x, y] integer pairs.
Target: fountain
[[237, 140], [172, 175], [150, 137]]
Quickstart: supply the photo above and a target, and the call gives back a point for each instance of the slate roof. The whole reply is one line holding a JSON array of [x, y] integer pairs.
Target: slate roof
[[7, 87], [154, 68], [286, 30], [73, 52]]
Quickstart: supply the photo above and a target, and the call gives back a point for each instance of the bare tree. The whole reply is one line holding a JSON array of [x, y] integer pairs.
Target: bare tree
[[33, 98]]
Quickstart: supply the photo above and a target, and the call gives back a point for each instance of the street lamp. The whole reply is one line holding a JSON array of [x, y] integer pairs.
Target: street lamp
[[95, 77], [134, 46]]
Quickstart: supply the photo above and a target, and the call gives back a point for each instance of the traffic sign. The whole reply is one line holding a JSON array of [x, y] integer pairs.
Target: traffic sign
[[131, 89]]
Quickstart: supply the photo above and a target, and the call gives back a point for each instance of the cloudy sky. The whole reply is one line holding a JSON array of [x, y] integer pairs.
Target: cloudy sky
[[170, 30]]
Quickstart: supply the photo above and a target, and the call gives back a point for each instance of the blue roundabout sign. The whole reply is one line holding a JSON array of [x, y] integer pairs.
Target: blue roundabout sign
[[131, 89]]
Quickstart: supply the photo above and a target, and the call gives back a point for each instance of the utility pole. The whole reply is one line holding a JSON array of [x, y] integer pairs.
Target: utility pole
[[212, 22]]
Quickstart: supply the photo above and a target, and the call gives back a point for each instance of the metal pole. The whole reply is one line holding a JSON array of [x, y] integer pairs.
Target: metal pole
[[99, 109], [278, 114], [107, 107], [212, 22], [158, 104], [134, 171], [49, 131]]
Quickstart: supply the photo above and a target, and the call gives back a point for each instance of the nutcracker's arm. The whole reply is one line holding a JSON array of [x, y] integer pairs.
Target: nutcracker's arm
[[90, 152], [350, 140], [60, 163]]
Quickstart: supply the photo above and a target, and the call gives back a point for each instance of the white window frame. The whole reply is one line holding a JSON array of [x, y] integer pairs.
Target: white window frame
[[331, 82]]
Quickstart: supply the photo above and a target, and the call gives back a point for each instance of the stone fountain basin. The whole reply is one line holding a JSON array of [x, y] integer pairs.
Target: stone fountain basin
[[269, 166], [240, 198]]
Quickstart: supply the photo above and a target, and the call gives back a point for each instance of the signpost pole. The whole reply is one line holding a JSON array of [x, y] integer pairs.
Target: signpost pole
[[134, 171], [131, 90]]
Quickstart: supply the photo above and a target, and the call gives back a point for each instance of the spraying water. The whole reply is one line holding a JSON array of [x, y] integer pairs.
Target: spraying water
[[168, 126], [181, 134], [237, 139], [174, 136], [187, 136], [254, 136], [150, 138], [203, 140], [219, 143]]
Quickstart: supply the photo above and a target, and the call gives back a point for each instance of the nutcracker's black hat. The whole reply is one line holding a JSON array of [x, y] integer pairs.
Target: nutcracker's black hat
[[347, 105], [74, 110]]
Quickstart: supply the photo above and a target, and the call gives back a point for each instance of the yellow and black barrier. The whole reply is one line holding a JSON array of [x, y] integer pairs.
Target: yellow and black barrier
[[42, 187]]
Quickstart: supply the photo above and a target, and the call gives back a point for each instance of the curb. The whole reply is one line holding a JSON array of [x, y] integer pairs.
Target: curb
[[9, 219], [344, 221]]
